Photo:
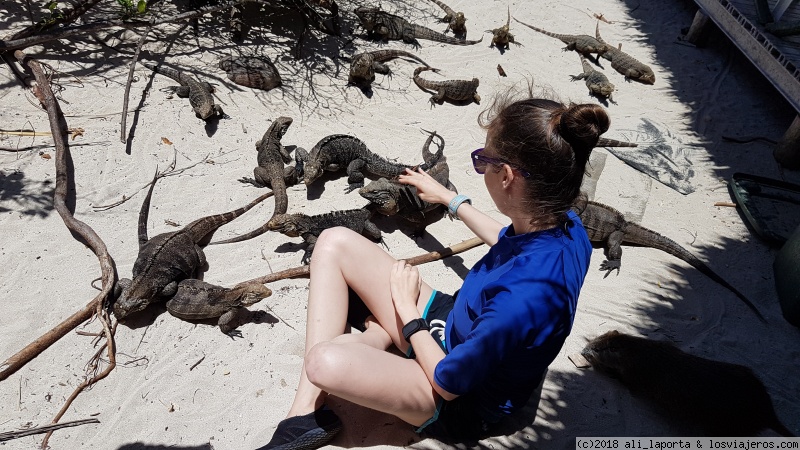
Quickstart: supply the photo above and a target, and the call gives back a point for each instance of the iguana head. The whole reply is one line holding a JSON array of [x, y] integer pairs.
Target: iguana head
[[648, 77], [361, 71], [287, 224], [366, 15], [253, 293], [459, 22], [131, 298], [282, 124], [311, 171], [383, 194]]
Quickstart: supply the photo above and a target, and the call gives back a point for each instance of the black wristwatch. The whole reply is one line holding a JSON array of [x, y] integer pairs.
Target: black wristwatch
[[414, 326]]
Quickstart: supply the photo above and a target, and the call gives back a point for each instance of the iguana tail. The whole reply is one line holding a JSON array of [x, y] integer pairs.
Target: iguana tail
[[145, 212], [604, 142], [202, 228], [639, 235], [431, 158]]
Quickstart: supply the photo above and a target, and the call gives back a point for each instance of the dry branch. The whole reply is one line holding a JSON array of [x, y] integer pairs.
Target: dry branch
[[58, 126], [105, 24], [303, 271], [128, 84], [9, 435]]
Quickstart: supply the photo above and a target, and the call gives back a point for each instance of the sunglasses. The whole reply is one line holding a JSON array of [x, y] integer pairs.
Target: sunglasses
[[479, 162]]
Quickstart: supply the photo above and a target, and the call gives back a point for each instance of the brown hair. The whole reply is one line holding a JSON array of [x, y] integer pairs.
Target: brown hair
[[549, 140]]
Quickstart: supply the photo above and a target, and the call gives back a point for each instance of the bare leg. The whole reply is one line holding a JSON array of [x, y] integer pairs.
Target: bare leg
[[344, 258]]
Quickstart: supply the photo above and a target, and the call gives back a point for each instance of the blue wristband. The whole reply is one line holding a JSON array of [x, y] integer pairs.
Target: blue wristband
[[456, 202]]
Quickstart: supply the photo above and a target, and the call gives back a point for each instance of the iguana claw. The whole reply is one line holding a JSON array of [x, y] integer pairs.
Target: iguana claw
[[610, 266]]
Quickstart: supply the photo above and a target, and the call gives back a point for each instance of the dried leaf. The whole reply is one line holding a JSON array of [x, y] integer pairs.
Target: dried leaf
[[76, 132], [166, 141], [45, 155]]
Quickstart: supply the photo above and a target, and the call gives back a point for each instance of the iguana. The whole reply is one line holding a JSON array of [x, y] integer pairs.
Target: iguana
[[167, 258], [271, 172], [390, 197], [251, 71], [453, 90], [596, 81], [604, 142], [608, 226], [501, 36], [390, 27], [456, 22], [364, 66], [626, 64], [310, 227], [199, 94], [196, 300], [341, 151], [581, 43]]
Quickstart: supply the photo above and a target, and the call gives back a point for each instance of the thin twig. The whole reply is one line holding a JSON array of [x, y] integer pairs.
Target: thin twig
[[303, 271], [128, 84], [197, 363], [9, 435]]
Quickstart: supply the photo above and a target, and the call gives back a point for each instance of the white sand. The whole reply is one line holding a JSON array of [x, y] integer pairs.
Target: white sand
[[235, 397]]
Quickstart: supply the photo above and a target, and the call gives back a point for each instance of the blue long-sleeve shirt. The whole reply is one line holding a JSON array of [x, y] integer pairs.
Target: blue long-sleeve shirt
[[512, 315]]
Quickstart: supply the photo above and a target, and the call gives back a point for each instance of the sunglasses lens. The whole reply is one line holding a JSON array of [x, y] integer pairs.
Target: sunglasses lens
[[477, 162]]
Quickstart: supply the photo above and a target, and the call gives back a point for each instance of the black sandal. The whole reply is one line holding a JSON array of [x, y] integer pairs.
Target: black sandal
[[307, 432]]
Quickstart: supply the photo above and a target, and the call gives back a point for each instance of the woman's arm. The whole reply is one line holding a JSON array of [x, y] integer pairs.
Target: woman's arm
[[432, 191], [405, 284]]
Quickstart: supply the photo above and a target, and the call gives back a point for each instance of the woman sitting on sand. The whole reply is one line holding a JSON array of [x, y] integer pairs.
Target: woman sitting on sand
[[503, 327]]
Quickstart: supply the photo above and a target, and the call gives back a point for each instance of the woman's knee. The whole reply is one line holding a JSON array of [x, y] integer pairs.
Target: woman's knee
[[332, 241], [323, 364]]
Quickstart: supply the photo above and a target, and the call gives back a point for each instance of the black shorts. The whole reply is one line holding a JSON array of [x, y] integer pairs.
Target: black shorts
[[435, 313]]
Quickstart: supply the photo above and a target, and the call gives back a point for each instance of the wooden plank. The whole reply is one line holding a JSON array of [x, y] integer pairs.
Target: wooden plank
[[768, 58]]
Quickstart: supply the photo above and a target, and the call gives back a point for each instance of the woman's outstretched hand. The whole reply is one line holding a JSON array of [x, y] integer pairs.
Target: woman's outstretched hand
[[405, 284], [428, 188]]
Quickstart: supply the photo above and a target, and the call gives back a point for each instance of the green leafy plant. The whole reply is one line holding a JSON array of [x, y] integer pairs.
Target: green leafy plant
[[55, 14], [130, 8]]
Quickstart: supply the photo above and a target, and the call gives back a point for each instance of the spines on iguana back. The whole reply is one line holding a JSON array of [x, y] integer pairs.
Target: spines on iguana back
[[201, 228], [144, 213]]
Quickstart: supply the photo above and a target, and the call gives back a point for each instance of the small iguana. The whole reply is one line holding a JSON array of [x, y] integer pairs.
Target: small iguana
[[251, 71], [391, 27], [608, 226], [196, 300], [167, 258], [364, 66], [501, 36], [199, 94], [390, 197], [581, 43], [310, 227], [271, 172], [596, 81], [456, 22], [453, 90], [339, 151], [626, 64]]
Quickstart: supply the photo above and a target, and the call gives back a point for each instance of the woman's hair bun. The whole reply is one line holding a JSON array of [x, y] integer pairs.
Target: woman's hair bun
[[581, 126]]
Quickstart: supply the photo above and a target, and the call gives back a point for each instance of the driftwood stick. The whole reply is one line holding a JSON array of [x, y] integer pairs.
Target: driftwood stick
[[104, 24], [303, 271], [9, 435], [58, 126], [128, 84]]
